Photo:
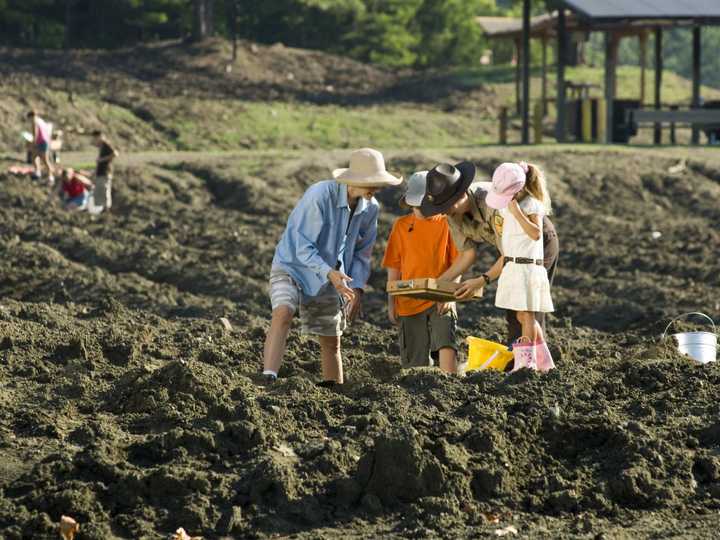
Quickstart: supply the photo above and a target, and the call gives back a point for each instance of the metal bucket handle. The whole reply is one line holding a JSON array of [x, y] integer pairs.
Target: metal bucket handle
[[685, 315]]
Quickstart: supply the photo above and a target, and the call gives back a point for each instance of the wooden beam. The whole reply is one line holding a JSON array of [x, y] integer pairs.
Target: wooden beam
[[678, 116], [697, 78], [526, 73], [518, 75], [657, 137], [643, 38], [560, 127], [611, 47], [543, 91]]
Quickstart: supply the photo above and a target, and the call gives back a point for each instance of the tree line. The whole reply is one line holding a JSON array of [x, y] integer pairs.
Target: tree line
[[417, 33], [397, 33]]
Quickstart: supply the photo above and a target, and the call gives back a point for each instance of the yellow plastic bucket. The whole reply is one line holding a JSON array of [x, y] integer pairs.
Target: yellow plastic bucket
[[484, 354]]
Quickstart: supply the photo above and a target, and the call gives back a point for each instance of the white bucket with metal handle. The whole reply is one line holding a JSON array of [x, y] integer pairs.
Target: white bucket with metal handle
[[700, 346]]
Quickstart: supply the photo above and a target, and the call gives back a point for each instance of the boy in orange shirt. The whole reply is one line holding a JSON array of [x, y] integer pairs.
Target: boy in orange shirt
[[421, 247]]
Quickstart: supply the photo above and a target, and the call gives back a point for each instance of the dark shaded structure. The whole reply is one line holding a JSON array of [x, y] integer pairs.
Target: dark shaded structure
[[616, 19]]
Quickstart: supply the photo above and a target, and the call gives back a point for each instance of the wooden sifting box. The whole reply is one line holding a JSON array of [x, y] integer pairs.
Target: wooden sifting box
[[426, 288]]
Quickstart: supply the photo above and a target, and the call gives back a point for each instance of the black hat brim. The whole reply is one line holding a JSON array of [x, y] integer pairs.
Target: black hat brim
[[467, 175]]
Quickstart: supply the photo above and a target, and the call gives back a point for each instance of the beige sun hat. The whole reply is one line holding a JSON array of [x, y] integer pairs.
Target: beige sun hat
[[367, 169]]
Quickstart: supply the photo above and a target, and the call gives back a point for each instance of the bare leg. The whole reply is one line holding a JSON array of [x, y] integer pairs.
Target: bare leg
[[530, 327], [448, 360], [276, 338], [332, 368]]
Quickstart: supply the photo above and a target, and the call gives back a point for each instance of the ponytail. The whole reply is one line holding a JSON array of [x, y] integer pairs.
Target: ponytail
[[536, 186]]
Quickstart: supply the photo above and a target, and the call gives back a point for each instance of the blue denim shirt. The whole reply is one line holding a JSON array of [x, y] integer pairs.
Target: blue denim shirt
[[314, 238]]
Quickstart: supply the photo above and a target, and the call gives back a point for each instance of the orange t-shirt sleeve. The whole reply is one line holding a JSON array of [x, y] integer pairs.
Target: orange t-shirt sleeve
[[392, 251]]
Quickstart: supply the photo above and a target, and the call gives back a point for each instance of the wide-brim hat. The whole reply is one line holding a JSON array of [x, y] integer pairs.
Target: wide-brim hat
[[27, 136], [446, 184], [367, 169]]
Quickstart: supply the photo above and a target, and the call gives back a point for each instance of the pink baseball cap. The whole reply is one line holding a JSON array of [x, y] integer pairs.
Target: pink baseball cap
[[507, 180]]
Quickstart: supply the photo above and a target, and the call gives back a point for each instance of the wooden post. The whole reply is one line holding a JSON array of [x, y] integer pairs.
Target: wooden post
[[503, 125], [526, 73], [601, 121], [561, 126], [611, 47], [538, 122], [518, 75], [673, 139], [697, 76], [543, 91], [586, 119], [643, 63], [658, 81]]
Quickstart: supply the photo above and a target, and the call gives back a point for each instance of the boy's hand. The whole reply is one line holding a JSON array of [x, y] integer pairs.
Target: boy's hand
[[392, 316], [444, 307], [339, 281], [468, 287]]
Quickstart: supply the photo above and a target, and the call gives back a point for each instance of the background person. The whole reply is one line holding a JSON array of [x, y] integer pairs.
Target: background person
[[102, 196], [322, 262], [420, 247], [42, 135], [73, 190]]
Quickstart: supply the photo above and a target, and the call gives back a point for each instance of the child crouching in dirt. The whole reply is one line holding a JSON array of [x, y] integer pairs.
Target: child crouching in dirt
[[520, 194], [73, 190], [420, 247], [322, 262]]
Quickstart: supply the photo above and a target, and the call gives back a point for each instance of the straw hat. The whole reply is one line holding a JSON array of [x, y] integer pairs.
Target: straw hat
[[367, 169]]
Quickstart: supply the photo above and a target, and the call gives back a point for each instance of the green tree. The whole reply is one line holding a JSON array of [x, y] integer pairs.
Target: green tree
[[385, 33]]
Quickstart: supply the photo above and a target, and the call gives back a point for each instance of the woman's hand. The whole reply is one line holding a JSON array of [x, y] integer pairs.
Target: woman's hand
[[444, 307], [468, 288]]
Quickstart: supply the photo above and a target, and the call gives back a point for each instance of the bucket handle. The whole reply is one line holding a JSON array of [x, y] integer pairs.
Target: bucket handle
[[685, 315]]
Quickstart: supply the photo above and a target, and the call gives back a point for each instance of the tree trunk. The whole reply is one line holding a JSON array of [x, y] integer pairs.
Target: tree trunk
[[69, 32], [203, 19], [231, 11]]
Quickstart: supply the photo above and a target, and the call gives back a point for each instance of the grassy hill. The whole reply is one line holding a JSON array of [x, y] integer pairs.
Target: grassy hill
[[172, 96]]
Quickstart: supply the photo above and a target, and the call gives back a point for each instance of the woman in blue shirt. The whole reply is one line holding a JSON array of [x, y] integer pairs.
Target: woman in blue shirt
[[322, 262]]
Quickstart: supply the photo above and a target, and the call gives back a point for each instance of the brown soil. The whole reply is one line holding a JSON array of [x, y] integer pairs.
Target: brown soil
[[126, 405]]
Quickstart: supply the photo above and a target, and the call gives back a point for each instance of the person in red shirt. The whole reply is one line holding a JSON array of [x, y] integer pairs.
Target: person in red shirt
[[420, 247], [73, 190]]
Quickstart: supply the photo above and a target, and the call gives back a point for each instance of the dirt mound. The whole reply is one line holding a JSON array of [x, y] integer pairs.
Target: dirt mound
[[129, 406], [175, 68]]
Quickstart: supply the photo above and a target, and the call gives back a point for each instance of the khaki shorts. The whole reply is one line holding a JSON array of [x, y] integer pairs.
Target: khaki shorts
[[102, 194], [424, 334], [320, 315]]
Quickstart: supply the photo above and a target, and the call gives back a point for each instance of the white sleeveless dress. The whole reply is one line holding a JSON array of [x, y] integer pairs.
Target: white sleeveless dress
[[523, 287]]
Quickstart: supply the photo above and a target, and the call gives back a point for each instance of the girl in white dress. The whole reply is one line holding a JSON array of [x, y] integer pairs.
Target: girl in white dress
[[520, 195]]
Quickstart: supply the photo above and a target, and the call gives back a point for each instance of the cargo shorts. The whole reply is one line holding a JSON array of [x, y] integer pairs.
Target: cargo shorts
[[424, 334], [320, 315]]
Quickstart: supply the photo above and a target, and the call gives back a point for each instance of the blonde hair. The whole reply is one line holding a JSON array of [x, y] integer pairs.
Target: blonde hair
[[536, 186]]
